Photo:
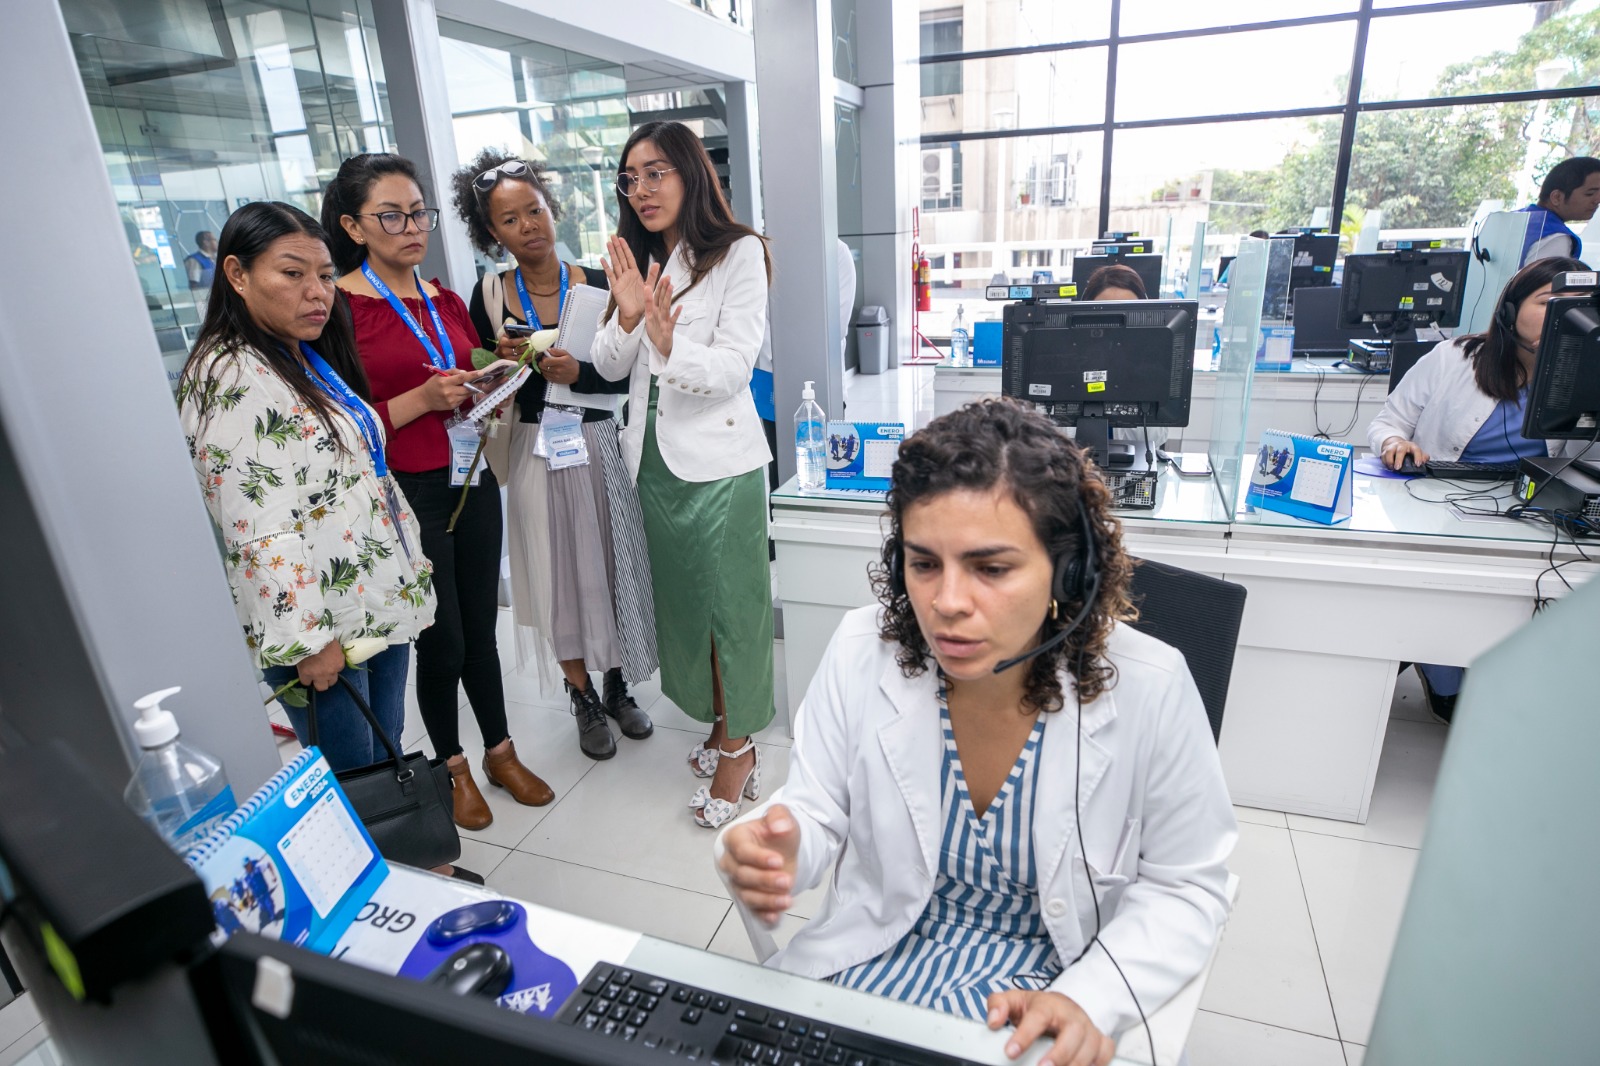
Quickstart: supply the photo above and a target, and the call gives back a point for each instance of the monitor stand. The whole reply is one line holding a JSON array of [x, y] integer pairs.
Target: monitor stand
[[1093, 432]]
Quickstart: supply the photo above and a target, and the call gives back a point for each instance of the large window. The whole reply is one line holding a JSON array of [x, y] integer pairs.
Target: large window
[[213, 105], [566, 110], [1240, 114]]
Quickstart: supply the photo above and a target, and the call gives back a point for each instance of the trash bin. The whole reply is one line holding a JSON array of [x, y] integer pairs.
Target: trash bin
[[872, 339]]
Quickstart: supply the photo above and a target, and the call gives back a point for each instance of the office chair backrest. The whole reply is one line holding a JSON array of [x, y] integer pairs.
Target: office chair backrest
[[1197, 614], [1403, 358]]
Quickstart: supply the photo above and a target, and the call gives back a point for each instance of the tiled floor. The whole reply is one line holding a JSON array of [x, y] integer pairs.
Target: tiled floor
[[1302, 962]]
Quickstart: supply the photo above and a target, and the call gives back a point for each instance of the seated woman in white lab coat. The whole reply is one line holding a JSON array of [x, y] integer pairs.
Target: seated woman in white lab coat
[[1008, 786], [1464, 401]]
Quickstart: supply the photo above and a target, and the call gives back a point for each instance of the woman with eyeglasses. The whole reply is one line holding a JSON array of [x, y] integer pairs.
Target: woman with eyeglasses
[[318, 545], [580, 575], [416, 341], [687, 315]]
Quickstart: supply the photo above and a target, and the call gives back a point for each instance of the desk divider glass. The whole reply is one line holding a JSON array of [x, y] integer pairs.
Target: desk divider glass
[[1499, 241], [1236, 365]]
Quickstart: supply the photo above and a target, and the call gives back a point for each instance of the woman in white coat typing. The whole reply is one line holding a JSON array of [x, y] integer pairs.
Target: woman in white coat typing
[[1016, 796], [1464, 400], [689, 307]]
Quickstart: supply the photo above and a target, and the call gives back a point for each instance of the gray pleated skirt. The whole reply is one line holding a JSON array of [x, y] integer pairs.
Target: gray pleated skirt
[[580, 570]]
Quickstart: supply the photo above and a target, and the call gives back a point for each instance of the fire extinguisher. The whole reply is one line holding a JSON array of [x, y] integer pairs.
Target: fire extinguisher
[[922, 281]]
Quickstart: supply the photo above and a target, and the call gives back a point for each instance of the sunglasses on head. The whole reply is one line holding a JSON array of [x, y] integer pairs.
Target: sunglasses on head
[[511, 168]]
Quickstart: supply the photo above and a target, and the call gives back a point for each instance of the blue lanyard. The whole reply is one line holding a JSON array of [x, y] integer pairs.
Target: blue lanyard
[[447, 361], [529, 315], [331, 383]]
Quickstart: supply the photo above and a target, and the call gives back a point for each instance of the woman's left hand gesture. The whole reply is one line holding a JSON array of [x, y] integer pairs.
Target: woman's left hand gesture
[[1036, 1014], [660, 317]]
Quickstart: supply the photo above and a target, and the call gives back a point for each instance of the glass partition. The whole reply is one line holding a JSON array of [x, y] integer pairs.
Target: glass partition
[[1499, 244], [1241, 333], [212, 105]]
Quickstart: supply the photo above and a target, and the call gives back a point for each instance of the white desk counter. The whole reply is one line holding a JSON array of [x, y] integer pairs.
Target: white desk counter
[[1331, 613], [1313, 395]]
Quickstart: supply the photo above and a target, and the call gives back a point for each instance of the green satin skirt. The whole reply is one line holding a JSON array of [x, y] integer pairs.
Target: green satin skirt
[[708, 560]]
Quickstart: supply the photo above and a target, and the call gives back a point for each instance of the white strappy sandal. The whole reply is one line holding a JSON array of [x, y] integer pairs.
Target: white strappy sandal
[[713, 813], [703, 760]]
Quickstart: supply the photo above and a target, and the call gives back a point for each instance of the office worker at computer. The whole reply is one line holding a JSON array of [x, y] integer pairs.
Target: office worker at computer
[[1114, 282], [941, 778], [1569, 193], [1464, 400]]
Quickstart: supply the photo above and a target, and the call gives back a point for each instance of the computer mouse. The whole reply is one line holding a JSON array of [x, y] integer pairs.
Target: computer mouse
[[476, 970], [487, 917]]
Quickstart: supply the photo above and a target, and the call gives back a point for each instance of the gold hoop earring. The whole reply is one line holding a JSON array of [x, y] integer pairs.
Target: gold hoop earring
[[1055, 611]]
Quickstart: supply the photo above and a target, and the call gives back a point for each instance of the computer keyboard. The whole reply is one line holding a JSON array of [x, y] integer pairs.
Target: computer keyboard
[[1471, 471], [694, 1025]]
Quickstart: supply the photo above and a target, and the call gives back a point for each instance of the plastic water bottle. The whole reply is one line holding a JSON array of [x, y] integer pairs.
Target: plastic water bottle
[[181, 791], [960, 341], [810, 428]]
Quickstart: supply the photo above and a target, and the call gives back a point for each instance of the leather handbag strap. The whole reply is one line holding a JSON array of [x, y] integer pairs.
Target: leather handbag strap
[[366, 711]]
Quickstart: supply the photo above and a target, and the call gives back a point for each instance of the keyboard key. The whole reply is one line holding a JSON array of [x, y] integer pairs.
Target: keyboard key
[[651, 1039], [855, 1059], [772, 1057], [813, 1049], [820, 1032], [613, 990], [792, 1043], [703, 999], [727, 1049], [597, 980], [656, 986], [639, 1018], [601, 1006], [778, 1021], [834, 1057], [629, 1032], [800, 1027], [757, 1015], [693, 1053], [750, 1051], [691, 1015], [648, 1002], [590, 1021], [719, 1004], [622, 977], [619, 1013], [631, 996], [671, 1046], [610, 1028], [681, 994]]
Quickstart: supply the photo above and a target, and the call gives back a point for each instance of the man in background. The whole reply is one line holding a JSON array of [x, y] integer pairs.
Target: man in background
[[1569, 194], [201, 266]]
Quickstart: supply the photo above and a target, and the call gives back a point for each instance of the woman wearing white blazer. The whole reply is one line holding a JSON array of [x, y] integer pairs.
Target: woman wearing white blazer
[[1464, 400], [688, 310], [941, 778]]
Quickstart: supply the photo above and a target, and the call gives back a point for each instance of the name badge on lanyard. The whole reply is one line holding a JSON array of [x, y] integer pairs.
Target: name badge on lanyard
[[445, 360], [464, 438], [328, 380]]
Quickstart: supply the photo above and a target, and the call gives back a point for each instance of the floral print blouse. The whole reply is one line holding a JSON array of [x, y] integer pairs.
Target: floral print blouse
[[308, 542]]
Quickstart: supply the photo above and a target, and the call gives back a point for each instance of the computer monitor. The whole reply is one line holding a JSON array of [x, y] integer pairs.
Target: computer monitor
[[1129, 246], [1564, 398], [1102, 364], [1317, 331], [1223, 264], [1148, 268], [331, 1013], [1314, 256], [1392, 291]]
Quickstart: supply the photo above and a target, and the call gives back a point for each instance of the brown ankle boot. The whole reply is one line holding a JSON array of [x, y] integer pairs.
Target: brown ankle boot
[[506, 771], [471, 809]]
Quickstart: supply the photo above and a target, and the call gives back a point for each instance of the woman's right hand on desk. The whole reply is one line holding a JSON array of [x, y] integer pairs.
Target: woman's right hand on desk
[[1397, 449], [759, 861]]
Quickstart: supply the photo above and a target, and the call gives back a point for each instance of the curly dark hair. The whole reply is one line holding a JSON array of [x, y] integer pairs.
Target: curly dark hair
[[471, 206], [1002, 442]]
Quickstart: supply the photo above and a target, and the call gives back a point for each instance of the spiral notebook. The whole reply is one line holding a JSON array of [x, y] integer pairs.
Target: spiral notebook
[[1306, 477], [579, 325], [503, 378], [293, 862]]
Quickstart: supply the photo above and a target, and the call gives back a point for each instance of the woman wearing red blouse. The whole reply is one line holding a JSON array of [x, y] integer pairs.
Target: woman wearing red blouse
[[416, 339]]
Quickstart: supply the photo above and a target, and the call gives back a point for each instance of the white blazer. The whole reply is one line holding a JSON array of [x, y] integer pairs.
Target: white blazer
[[706, 422], [1439, 407], [1158, 826]]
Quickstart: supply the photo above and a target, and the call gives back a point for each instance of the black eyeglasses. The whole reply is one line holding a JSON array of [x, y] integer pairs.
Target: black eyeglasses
[[628, 184], [394, 222], [511, 168]]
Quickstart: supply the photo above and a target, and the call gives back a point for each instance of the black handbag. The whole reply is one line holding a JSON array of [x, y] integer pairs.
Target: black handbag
[[404, 801]]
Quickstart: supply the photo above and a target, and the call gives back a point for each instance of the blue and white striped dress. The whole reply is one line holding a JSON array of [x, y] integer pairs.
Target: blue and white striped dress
[[982, 931]]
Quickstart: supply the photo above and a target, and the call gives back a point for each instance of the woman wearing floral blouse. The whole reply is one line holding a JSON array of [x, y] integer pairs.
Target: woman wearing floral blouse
[[319, 547]]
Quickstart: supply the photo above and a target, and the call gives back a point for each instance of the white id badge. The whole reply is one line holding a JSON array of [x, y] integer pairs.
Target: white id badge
[[561, 439], [464, 438]]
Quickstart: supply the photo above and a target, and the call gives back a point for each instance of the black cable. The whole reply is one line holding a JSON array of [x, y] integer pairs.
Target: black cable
[[1149, 457], [1077, 817], [1355, 415]]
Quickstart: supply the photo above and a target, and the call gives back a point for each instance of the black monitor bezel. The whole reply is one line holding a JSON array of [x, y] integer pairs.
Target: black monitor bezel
[[1355, 267], [1133, 261], [1535, 427]]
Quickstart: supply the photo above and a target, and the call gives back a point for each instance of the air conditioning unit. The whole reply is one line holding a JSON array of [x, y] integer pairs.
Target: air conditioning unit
[[938, 173]]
